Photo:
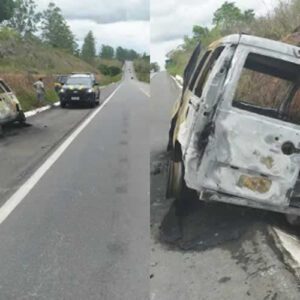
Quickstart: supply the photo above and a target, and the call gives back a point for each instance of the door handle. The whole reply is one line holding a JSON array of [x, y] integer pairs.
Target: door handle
[[288, 148]]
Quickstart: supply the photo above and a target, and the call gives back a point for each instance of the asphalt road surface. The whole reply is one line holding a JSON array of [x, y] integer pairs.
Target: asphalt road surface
[[217, 251], [82, 232]]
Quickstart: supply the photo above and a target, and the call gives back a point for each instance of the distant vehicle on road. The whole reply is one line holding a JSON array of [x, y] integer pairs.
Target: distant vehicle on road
[[80, 88], [59, 82], [10, 107], [235, 131]]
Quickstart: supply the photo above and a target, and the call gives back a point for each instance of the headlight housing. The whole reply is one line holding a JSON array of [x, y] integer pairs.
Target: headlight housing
[[62, 90], [90, 90]]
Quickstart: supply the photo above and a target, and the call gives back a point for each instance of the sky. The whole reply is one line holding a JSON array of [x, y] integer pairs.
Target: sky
[[122, 23], [172, 19]]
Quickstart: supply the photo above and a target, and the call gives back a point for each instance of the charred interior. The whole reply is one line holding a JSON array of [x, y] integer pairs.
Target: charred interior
[[270, 87]]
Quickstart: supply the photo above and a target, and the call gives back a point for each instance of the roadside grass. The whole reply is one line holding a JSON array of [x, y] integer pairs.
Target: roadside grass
[[109, 62], [23, 62], [142, 69], [112, 70], [22, 85], [111, 79]]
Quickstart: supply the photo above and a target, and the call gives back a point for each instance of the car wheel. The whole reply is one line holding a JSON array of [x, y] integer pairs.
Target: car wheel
[[62, 104], [169, 189], [293, 220], [182, 193], [21, 118]]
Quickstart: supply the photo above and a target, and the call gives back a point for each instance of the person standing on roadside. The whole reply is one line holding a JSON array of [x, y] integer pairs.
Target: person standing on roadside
[[40, 91]]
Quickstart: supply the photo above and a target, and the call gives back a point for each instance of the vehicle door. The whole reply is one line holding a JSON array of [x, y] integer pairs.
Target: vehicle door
[[7, 107], [254, 149]]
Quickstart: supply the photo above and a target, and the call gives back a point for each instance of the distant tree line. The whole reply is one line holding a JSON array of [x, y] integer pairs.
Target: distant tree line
[[49, 27], [227, 19]]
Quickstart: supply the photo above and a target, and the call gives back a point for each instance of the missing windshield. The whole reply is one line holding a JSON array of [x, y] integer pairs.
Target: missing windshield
[[269, 87]]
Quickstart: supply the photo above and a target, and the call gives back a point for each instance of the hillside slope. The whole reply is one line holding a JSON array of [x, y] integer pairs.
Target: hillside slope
[[22, 63]]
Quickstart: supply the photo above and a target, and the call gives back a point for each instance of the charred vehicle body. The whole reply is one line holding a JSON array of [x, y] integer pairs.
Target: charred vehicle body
[[235, 131], [10, 107], [80, 88]]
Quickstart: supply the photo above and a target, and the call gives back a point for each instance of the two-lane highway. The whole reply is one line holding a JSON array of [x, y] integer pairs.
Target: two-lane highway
[[82, 232], [217, 251]]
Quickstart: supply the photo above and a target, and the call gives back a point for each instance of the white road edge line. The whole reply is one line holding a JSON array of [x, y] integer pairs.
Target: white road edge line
[[178, 84], [146, 93], [9, 206]]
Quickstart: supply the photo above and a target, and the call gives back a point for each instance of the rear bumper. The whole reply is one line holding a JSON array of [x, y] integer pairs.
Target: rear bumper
[[209, 195]]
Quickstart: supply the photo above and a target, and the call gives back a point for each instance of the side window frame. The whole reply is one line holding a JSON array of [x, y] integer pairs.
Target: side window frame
[[5, 86], [203, 76], [191, 65], [200, 66]]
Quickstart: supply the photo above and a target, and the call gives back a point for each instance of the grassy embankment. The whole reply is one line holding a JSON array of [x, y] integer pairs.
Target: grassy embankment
[[22, 63], [111, 68], [142, 68], [277, 25]]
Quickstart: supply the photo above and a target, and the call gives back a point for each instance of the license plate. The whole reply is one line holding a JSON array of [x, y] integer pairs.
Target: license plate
[[75, 98]]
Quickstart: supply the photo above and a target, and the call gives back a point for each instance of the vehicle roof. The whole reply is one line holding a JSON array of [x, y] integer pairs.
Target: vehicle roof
[[80, 75], [258, 42]]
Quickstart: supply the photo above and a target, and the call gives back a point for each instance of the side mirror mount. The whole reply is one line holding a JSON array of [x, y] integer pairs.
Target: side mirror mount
[[96, 83]]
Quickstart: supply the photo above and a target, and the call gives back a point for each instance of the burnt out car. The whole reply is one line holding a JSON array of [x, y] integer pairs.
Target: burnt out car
[[10, 107], [235, 131], [80, 88]]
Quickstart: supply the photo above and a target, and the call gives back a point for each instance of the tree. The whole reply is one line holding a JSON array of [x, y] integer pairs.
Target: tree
[[126, 54], [107, 52], [88, 51], [229, 15], [120, 54], [55, 30], [25, 18], [6, 9], [154, 67], [249, 15], [200, 32]]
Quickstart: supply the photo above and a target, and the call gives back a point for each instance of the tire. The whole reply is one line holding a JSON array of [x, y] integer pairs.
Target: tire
[[293, 220], [62, 104], [21, 118], [177, 188], [169, 189]]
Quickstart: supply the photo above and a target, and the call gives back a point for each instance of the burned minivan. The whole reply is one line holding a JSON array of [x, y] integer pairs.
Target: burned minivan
[[10, 107], [235, 131]]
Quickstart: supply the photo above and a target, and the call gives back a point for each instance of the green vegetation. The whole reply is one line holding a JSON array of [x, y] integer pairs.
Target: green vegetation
[[107, 52], [88, 52], [123, 54], [228, 19], [37, 44], [142, 68], [154, 67], [6, 9], [55, 30], [25, 18]]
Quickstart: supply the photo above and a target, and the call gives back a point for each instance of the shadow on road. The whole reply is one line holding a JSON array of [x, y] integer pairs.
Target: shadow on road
[[206, 224]]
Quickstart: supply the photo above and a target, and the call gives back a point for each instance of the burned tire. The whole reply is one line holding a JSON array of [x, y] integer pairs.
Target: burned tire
[[169, 189], [21, 118], [178, 189]]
